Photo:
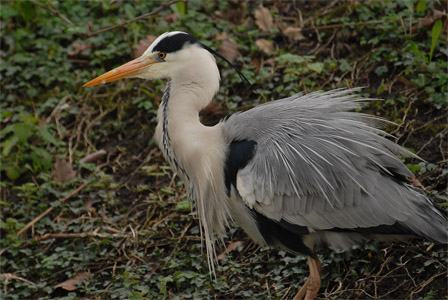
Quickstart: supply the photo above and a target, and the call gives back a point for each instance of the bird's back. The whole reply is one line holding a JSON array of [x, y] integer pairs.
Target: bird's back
[[318, 165]]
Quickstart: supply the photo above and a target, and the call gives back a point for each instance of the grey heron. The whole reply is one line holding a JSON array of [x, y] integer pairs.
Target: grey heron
[[294, 173]]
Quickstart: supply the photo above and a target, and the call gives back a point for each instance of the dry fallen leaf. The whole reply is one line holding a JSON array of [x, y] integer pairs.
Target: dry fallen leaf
[[88, 204], [257, 64], [230, 247], [236, 14], [263, 18], [212, 109], [171, 18], [229, 49], [270, 62], [5, 277], [62, 171], [222, 36], [294, 33], [143, 45], [265, 45], [72, 283], [78, 49]]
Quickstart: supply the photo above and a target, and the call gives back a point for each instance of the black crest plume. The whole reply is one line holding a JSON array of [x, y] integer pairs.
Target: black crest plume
[[227, 61], [176, 42]]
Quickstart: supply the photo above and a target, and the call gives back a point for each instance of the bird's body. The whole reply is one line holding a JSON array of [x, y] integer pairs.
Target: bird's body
[[293, 173]]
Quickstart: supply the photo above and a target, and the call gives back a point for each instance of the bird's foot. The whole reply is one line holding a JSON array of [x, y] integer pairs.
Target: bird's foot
[[415, 182], [302, 292], [309, 290], [311, 287]]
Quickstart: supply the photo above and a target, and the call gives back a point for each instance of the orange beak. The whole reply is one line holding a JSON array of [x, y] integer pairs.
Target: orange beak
[[127, 70]]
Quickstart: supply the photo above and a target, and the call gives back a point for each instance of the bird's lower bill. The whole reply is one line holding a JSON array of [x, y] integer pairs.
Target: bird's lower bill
[[129, 69]]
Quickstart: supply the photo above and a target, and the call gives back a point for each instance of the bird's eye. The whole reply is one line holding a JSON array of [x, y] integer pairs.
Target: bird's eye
[[161, 55]]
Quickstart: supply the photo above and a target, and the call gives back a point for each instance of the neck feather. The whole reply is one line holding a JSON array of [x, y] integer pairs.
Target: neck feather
[[196, 152], [180, 132]]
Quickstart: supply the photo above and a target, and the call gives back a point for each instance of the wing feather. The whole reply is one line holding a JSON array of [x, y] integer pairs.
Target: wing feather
[[318, 164]]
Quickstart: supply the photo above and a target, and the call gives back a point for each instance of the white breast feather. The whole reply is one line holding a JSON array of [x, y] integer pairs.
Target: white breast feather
[[244, 185]]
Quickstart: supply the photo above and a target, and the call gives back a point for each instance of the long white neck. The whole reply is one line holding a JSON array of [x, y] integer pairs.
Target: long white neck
[[179, 131], [196, 152], [182, 137]]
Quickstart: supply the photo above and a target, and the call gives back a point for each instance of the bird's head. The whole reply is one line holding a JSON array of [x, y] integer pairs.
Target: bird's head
[[170, 54]]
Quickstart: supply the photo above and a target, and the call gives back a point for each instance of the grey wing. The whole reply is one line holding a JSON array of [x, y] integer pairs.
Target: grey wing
[[318, 165]]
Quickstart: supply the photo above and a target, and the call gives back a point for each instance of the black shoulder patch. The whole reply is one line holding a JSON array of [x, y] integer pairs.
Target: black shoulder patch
[[175, 42], [238, 155]]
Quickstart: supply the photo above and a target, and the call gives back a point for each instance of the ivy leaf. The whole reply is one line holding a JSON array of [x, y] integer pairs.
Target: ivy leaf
[[8, 144], [41, 158], [288, 58], [381, 70], [183, 205], [6, 130], [345, 66], [47, 136], [316, 67], [22, 131], [13, 172], [136, 295], [179, 8], [410, 5]]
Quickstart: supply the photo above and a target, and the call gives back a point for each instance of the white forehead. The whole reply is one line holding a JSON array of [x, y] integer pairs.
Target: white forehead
[[161, 37]]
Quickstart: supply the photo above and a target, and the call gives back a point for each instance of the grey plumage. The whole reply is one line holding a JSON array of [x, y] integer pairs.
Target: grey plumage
[[320, 166]]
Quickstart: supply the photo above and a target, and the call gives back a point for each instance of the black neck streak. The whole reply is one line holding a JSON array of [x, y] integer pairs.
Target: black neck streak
[[167, 146]]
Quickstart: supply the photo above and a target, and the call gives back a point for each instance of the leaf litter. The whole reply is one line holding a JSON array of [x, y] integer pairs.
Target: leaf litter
[[63, 171], [263, 18], [72, 283]]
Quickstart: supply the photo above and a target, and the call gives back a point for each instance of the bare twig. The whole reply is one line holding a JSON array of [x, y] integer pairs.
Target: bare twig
[[333, 26], [144, 162], [286, 294], [78, 235], [430, 247], [54, 10], [431, 121], [8, 276], [424, 284], [88, 34], [50, 209], [93, 156], [58, 109], [96, 120]]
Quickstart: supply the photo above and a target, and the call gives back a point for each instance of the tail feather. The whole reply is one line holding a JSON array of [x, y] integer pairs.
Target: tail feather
[[429, 221]]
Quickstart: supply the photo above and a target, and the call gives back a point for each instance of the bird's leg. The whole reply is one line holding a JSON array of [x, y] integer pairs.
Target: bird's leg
[[415, 182], [312, 285]]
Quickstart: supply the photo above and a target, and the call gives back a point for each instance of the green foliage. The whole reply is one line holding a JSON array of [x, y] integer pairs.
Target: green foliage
[[132, 229], [435, 34], [24, 145]]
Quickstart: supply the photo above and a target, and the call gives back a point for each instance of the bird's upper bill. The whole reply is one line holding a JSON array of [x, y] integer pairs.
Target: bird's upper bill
[[130, 69]]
